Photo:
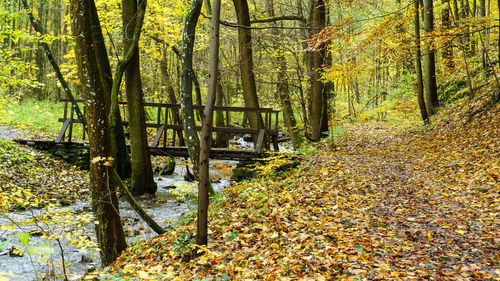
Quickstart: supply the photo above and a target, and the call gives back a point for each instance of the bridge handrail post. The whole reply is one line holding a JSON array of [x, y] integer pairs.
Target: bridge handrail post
[[70, 133]]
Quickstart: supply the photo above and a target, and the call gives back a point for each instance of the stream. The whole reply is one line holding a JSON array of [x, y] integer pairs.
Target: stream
[[42, 257]]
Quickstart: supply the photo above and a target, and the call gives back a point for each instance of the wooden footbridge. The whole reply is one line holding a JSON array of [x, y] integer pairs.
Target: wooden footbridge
[[166, 131]]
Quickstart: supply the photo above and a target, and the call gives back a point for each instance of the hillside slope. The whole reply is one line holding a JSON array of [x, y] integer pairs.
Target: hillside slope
[[385, 204]]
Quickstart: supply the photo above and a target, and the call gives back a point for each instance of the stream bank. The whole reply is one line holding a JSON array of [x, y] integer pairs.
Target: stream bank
[[70, 228]]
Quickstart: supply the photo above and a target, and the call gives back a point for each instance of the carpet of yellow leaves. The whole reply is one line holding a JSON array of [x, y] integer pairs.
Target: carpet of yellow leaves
[[387, 205], [31, 179]]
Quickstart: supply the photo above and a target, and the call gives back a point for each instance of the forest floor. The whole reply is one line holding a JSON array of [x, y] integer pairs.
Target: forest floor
[[383, 204], [33, 179]]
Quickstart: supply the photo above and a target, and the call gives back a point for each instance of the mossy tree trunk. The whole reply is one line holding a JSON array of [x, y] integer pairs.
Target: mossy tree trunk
[[117, 135], [192, 139], [109, 231], [142, 171]]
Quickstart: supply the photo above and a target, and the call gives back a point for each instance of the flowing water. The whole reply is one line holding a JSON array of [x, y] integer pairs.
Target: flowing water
[[166, 207], [42, 258]]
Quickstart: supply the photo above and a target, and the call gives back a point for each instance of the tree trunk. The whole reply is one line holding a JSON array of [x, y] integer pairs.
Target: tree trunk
[[482, 13], [418, 66], [206, 131], [193, 142], [448, 46], [109, 231], [221, 138], [40, 62], [117, 134], [455, 10], [171, 98], [429, 59], [246, 62], [282, 83], [142, 172], [317, 94]]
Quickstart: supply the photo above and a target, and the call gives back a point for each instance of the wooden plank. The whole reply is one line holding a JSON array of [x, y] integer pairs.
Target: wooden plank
[[158, 135], [70, 133], [215, 153], [260, 140], [60, 136]]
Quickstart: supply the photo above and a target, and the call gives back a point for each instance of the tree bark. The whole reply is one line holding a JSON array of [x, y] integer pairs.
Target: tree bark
[[117, 134], [171, 98], [317, 93], [142, 171], [418, 66], [448, 46], [455, 9], [221, 138], [193, 142], [482, 13], [109, 231], [282, 84], [206, 131], [246, 62], [430, 59]]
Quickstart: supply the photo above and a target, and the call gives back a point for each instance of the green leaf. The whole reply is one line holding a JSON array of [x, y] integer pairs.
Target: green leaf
[[47, 250], [24, 238]]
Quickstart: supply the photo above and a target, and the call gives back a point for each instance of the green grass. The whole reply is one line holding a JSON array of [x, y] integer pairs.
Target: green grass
[[41, 116]]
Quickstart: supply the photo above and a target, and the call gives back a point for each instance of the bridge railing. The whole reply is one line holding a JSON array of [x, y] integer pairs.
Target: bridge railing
[[165, 120]]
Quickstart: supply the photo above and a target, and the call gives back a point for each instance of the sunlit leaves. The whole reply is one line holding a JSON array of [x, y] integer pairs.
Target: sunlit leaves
[[385, 205], [30, 179]]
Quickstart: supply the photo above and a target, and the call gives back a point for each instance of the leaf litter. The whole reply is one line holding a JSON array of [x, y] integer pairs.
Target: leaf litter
[[32, 179], [385, 204]]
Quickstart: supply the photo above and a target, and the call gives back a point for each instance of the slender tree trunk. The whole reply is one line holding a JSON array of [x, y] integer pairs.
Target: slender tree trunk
[[206, 131], [448, 47], [109, 231], [455, 10], [429, 59], [418, 66], [40, 62], [482, 13], [317, 94], [498, 5], [221, 138], [282, 83], [171, 98], [193, 142], [142, 171], [246, 62]]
